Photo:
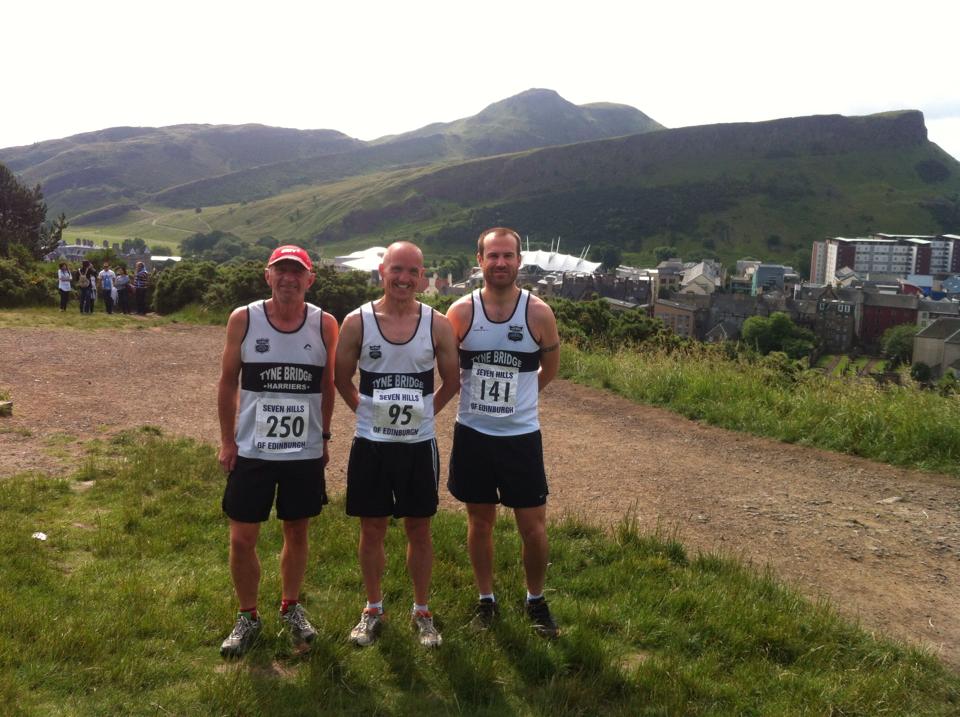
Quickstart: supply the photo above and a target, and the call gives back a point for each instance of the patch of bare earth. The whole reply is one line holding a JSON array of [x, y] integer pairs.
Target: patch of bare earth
[[881, 543]]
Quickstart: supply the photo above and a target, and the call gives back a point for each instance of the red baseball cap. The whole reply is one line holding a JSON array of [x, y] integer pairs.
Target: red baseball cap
[[293, 253]]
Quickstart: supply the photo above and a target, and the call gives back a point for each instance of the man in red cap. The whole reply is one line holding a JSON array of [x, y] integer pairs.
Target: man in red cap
[[275, 401]]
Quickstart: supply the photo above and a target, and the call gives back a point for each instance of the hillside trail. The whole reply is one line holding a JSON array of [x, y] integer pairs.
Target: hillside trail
[[882, 544]]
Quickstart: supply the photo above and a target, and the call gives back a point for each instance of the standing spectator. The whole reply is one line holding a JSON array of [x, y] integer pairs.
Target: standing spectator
[[140, 282], [86, 282], [122, 286], [107, 277], [64, 279]]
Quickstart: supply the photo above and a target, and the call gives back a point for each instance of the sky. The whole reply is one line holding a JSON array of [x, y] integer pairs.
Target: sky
[[374, 68]]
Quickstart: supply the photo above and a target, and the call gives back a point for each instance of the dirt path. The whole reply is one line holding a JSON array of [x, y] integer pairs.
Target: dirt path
[[882, 543]]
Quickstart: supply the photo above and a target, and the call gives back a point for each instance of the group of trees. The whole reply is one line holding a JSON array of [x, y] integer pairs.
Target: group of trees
[[24, 230]]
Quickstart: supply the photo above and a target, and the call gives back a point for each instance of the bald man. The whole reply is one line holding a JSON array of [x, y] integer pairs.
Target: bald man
[[394, 469]]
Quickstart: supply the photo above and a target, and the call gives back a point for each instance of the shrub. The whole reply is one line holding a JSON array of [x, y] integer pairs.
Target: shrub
[[26, 284]]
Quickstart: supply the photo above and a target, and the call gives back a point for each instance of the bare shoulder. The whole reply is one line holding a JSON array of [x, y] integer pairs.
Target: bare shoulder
[[539, 310], [238, 320], [463, 305]]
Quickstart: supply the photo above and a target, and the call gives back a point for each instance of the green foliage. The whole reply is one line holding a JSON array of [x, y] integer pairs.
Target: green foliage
[[22, 216], [139, 559], [595, 323], [777, 333], [920, 372], [897, 343], [775, 397], [26, 283], [222, 247], [662, 253], [221, 287]]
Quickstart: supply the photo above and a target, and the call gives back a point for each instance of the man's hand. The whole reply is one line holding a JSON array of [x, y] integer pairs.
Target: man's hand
[[228, 456]]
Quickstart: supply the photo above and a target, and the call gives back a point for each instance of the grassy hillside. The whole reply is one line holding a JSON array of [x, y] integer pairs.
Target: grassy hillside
[[764, 189], [200, 165], [124, 164]]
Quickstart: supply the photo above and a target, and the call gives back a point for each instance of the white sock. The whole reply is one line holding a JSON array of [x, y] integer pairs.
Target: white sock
[[420, 608], [531, 597], [488, 596], [378, 605]]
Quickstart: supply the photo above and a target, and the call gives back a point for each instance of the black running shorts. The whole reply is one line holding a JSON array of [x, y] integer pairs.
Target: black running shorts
[[298, 486], [392, 478], [497, 469]]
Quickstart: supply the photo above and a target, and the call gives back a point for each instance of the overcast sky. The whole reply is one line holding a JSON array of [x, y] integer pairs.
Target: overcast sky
[[375, 68]]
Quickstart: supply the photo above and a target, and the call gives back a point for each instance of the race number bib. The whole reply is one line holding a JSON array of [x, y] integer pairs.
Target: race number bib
[[493, 390], [283, 425], [397, 412]]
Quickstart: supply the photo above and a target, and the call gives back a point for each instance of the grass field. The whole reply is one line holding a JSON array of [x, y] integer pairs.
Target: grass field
[[122, 609], [899, 425]]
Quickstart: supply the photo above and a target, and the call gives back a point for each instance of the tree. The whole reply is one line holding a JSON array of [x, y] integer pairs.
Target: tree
[[777, 333], [22, 216], [897, 343], [662, 253]]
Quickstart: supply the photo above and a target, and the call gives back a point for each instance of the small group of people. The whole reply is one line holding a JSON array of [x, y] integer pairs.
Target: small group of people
[[114, 287], [498, 347]]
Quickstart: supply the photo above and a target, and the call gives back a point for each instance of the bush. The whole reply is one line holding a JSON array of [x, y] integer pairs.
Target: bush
[[26, 284], [226, 286]]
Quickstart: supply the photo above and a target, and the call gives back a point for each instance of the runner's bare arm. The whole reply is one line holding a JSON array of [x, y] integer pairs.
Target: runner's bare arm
[[448, 363], [331, 335], [460, 314], [543, 324], [348, 354], [228, 389]]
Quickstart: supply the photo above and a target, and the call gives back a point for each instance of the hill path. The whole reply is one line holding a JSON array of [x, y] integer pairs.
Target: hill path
[[880, 542]]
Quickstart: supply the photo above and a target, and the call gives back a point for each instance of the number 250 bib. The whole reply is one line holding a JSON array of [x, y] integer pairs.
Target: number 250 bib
[[283, 425], [493, 390]]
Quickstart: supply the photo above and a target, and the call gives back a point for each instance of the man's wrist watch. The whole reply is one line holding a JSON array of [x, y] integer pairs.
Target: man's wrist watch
[[326, 436]]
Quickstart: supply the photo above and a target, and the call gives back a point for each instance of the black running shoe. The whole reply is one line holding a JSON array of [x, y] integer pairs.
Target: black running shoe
[[484, 614], [543, 623]]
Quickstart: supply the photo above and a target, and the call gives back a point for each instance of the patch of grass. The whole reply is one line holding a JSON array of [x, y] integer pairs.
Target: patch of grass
[[122, 609], [892, 424], [51, 317]]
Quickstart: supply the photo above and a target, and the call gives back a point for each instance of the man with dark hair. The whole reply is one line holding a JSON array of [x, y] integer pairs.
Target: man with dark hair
[[509, 345], [394, 468], [275, 403]]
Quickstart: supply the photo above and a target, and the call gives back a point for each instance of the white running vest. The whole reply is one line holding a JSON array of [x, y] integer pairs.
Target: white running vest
[[280, 382], [499, 361], [396, 381]]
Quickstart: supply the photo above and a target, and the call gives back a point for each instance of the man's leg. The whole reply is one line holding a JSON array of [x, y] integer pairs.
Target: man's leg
[[419, 557], [480, 521], [372, 557], [532, 525], [293, 557], [244, 563]]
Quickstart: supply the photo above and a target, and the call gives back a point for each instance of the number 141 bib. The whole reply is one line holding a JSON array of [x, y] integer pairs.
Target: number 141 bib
[[493, 390]]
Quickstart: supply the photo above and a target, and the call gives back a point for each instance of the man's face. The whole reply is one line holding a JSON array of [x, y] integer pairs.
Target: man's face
[[288, 280], [106, 266], [402, 272], [500, 261]]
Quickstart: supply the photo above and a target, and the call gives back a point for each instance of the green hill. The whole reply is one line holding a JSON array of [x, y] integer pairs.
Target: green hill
[[766, 188], [201, 165], [125, 164]]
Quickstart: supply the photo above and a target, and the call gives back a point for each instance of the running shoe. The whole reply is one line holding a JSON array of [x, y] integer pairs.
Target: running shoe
[[428, 634], [484, 614], [244, 634], [543, 623], [300, 629], [368, 629]]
